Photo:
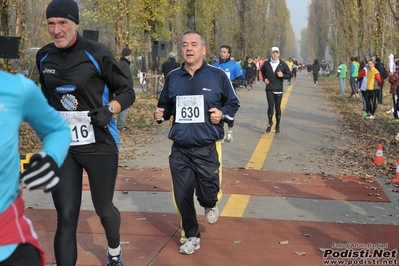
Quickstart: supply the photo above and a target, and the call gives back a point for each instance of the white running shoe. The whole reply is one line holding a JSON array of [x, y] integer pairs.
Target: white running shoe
[[192, 244], [229, 137], [211, 215]]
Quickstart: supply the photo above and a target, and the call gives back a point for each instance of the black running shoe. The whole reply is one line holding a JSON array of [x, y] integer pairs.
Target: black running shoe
[[269, 127], [277, 130], [114, 260]]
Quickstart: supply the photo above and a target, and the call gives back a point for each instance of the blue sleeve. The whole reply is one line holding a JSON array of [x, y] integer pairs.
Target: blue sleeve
[[237, 72], [231, 103], [50, 127]]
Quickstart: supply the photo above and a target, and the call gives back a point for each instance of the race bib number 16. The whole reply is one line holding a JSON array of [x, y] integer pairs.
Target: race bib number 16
[[190, 109], [82, 132]]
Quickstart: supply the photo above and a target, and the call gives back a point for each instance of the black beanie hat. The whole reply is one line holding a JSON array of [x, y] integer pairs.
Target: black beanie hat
[[126, 51], [63, 9]]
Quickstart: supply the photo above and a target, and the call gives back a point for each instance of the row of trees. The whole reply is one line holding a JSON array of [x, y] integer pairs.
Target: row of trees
[[346, 28], [250, 27], [336, 28]]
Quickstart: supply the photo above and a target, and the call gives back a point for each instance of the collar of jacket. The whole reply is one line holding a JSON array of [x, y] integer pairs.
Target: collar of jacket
[[183, 71], [274, 61], [124, 59], [224, 60]]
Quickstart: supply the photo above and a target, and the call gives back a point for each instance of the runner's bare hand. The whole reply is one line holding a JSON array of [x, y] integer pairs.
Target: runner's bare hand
[[158, 114], [216, 115]]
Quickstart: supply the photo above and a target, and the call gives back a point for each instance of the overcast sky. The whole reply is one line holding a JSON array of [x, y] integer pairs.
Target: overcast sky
[[299, 15]]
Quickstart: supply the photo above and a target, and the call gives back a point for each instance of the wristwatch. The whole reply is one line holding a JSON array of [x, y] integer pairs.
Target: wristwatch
[[110, 109]]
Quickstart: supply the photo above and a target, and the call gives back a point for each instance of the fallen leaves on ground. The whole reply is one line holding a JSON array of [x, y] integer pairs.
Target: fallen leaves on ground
[[362, 136], [300, 253]]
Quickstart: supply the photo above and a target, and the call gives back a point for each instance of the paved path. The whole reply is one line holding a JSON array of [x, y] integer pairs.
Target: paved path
[[282, 204]]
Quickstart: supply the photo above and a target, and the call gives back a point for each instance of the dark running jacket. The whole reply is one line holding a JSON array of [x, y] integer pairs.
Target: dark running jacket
[[215, 86], [276, 83], [83, 77]]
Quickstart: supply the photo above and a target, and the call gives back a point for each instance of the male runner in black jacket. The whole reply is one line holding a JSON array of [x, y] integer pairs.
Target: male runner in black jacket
[[79, 78]]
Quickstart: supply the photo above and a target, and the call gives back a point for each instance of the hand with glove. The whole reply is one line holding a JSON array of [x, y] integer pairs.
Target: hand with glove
[[42, 171], [101, 116]]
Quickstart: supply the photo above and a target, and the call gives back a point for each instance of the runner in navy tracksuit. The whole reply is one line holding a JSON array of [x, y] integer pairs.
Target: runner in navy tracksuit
[[198, 96], [82, 80]]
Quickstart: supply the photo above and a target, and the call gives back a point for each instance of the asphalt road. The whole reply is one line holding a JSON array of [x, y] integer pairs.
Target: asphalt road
[[308, 134]]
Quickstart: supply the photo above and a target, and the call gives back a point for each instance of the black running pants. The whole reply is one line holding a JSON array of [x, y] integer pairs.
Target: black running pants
[[371, 101], [274, 102], [25, 254], [102, 172]]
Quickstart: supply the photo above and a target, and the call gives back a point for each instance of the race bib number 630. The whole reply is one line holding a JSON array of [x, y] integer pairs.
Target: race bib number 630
[[190, 109]]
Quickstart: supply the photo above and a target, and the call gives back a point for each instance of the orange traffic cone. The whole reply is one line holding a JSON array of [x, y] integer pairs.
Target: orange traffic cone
[[396, 179], [379, 158]]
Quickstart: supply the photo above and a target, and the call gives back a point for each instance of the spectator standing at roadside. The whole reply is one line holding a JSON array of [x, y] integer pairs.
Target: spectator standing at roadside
[[374, 81], [384, 75], [394, 81], [274, 71], [234, 73], [391, 62], [142, 72], [22, 101], [170, 64], [124, 64], [341, 74], [353, 77], [362, 82], [82, 80], [198, 96], [323, 67], [392, 70]]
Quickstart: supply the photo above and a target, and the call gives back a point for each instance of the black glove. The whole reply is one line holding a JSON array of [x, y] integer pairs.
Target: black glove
[[42, 171], [100, 116], [238, 81]]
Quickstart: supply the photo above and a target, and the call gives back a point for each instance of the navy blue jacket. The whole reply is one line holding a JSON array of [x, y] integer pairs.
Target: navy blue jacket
[[215, 86]]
